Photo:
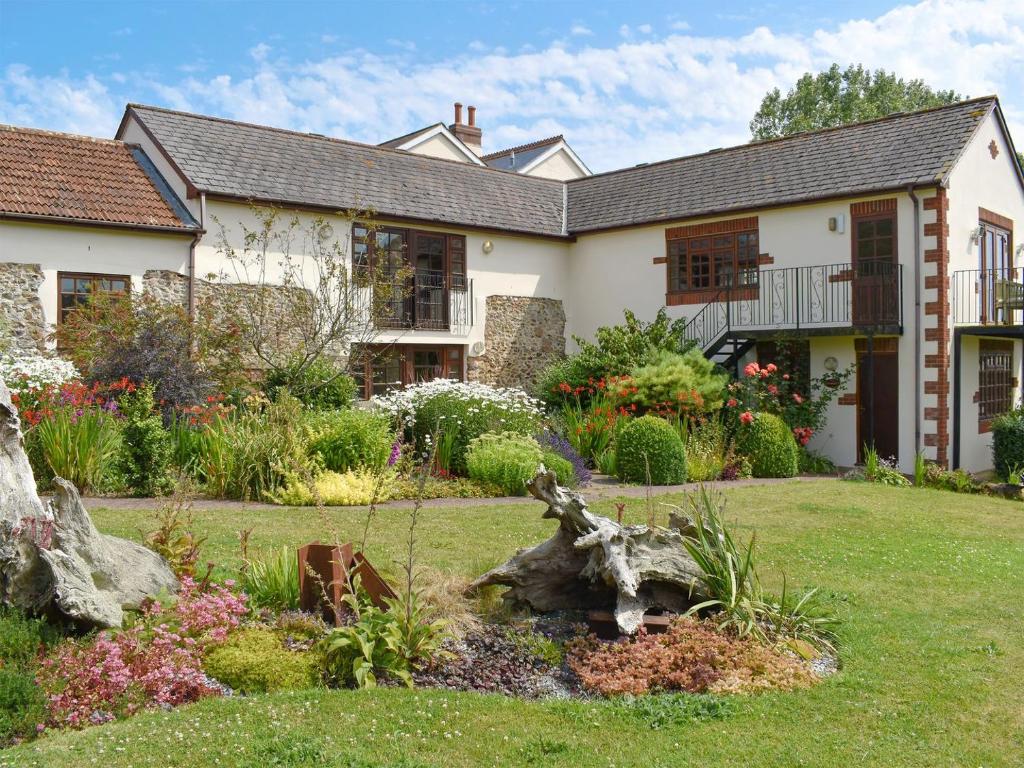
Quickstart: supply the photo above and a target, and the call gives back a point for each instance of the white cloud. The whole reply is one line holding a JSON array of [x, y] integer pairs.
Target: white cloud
[[579, 30], [641, 99], [680, 26], [645, 29], [328, 39]]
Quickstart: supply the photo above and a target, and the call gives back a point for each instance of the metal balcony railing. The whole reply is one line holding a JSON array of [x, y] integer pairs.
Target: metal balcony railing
[[426, 300], [988, 297], [868, 295]]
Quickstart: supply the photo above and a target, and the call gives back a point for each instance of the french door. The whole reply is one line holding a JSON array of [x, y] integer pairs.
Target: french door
[[995, 274]]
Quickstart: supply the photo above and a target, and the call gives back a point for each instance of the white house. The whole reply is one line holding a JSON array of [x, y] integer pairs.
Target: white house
[[887, 243]]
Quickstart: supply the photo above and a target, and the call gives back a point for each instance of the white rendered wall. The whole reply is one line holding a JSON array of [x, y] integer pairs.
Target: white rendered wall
[[103, 250], [440, 146], [559, 166]]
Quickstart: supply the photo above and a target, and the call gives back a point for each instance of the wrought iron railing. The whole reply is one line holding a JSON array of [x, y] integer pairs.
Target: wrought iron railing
[[422, 300], [867, 295], [988, 297]]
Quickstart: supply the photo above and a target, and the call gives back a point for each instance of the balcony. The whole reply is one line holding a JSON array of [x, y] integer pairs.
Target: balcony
[[988, 298], [812, 300], [426, 300]]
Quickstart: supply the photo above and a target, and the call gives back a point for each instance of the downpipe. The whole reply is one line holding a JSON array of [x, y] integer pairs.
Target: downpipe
[[918, 325]]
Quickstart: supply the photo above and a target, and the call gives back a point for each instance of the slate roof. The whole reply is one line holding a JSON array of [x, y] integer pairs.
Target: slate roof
[[521, 156], [916, 148], [240, 160], [57, 175]]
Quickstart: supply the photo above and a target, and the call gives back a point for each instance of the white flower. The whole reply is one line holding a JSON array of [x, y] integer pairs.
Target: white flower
[[23, 371]]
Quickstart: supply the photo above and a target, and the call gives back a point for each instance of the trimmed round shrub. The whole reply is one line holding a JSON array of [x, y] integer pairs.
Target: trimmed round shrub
[[562, 467], [351, 439], [507, 460], [1008, 443], [650, 444], [255, 661], [770, 446]]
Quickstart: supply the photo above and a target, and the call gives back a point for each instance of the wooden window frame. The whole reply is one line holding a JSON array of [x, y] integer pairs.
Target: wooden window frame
[[690, 234], [453, 366], [94, 277], [994, 348]]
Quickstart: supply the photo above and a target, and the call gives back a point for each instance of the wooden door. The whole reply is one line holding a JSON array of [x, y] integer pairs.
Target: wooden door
[[878, 396], [875, 271]]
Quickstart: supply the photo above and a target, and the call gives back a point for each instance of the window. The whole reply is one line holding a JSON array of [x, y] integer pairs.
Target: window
[[995, 379], [875, 245], [715, 262], [75, 288], [379, 368]]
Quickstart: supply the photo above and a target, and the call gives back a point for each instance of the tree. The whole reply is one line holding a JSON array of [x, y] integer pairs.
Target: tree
[[299, 300], [838, 97]]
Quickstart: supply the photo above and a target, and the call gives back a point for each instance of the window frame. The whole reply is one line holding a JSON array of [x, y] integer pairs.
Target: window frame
[[706, 243], [452, 358], [991, 407], [94, 278]]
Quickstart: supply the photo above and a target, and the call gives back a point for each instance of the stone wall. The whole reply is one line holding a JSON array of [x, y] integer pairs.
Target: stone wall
[[522, 336], [21, 311]]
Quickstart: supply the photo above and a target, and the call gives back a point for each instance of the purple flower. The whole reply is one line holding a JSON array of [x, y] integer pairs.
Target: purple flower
[[396, 451], [561, 446]]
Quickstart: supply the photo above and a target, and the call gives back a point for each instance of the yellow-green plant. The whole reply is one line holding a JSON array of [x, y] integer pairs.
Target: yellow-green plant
[[354, 488], [271, 580], [506, 459], [254, 660]]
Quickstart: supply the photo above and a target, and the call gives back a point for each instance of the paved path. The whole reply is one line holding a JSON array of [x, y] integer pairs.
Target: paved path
[[602, 488]]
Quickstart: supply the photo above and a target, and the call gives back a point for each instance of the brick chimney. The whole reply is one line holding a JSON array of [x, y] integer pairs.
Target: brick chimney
[[468, 133]]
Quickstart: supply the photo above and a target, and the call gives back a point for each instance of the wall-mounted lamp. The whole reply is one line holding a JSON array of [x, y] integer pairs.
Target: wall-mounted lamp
[[831, 364], [976, 235], [487, 246], [837, 223], [1020, 249]]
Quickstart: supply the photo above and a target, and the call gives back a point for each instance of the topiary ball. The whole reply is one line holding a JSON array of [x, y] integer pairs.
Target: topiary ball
[[770, 446], [650, 444]]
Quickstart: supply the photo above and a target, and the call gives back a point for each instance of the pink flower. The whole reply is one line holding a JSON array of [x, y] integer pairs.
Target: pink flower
[[746, 417], [765, 373], [751, 369], [785, 377], [796, 398], [772, 389], [771, 368], [732, 402]]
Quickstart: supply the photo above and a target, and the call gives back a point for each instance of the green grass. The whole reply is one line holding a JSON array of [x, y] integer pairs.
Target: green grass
[[928, 583]]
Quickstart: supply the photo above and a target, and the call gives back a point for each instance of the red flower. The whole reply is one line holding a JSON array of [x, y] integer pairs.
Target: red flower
[[746, 417], [772, 389], [751, 369], [732, 402], [771, 368], [796, 398]]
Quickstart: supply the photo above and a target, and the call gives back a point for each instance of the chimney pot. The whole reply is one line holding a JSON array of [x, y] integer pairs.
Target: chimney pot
[[458, 113], [472, 116]]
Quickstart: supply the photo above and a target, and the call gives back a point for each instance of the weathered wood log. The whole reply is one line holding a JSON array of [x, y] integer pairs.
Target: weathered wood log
[[52, 558], [593, 562]]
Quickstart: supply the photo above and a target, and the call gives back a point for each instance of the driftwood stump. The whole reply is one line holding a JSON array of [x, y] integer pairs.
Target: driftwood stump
[[594, 562], [52, 558]]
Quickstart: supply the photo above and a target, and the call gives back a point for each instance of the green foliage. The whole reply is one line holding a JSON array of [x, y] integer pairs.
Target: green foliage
[[561, 466], [878, 470], [769, 445], [83, 449], [1008, 441], [617, 350], [254, 660], [812, 463], [391, 642], [22, 637], [607, 462], [249, 454], [650, 450], [839, 97], [271, 580], [351, 439], [319, 384], [957, 480], [145, 455], [505, 459], [734, 589], [662, 710], [173, 538], [672, 381], [707, 446], [22, 705], [354, 488]]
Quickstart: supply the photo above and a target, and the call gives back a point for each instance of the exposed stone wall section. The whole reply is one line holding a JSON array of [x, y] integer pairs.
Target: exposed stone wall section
[[21, 311], [937, 328], [522, 336], [173, 287]]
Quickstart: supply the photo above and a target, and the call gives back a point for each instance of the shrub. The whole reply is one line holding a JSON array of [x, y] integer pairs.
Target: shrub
[[692, 656], [650, 446], [686, 383], [506, 459], [351, 439], [552, 441], [22, 705], [320, 384], [23, 638], [442, 488], [272, 580], [460, 411], [1008, 442], [173, 538], [593, 415], [145, 455], [254, 660], [354, 488], [561, 466], [706, 449], [765, 439]]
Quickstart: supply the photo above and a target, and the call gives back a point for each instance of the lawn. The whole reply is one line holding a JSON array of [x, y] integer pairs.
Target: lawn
[[929, 585]]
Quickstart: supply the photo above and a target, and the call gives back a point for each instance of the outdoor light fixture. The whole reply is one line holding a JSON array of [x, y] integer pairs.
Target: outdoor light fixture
[[831, 364], [1020, 249], [487, 246], [976, 235]]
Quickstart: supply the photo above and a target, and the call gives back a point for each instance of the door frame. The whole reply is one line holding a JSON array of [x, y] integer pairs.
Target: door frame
[[883, 346], [855, 219]]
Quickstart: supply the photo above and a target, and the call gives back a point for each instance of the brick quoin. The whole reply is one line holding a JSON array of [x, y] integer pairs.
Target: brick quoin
[[938, 360]]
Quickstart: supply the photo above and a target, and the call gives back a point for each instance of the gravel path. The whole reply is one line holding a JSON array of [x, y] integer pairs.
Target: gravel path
[[602, 487]]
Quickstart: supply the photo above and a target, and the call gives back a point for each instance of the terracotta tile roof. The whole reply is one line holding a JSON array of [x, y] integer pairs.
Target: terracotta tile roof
[[914, 148], [61, 176], [253, 162], [524, 147]]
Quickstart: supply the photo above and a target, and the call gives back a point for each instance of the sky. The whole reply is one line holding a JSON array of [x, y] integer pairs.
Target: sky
[[625, 82]]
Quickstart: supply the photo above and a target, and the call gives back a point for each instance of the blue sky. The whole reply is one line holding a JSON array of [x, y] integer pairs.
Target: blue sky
[[626, 82]]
